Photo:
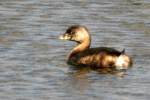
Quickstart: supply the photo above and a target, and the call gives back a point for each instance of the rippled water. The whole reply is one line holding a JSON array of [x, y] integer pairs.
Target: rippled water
[[33, 61]]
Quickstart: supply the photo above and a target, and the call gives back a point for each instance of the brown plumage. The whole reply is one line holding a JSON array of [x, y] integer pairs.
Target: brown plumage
[[99, 57]]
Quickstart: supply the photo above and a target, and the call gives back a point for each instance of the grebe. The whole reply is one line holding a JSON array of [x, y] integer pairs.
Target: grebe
[[101, 57]]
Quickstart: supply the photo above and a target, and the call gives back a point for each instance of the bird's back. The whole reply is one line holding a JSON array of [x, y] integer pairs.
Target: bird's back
[[96, 57]]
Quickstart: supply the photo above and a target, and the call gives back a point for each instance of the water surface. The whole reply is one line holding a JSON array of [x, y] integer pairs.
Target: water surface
[[33, 61]]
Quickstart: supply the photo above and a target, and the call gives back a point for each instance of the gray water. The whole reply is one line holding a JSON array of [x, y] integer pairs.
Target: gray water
[[33, 61]]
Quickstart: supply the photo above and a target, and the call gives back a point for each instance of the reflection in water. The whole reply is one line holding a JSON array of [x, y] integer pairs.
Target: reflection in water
[[81, 71], [79, 79]]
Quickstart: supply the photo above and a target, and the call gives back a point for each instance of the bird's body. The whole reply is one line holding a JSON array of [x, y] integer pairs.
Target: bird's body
[[83, 55]]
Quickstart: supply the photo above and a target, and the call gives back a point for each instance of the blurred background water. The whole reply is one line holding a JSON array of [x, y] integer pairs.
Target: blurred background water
[[33, 61]]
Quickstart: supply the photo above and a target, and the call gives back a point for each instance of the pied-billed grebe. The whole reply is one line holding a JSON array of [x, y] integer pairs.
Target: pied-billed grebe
[[99, 57]]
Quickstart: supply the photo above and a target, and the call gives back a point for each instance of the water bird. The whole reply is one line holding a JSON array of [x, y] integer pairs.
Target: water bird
[[99, 57]]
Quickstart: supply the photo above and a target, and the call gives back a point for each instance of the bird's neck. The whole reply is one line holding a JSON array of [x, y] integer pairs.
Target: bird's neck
[[80, 48]]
